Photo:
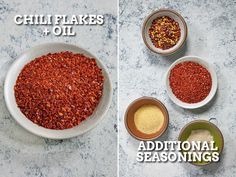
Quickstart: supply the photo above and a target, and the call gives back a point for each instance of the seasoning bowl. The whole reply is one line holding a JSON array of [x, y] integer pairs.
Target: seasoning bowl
[[204, 125], [129, 118], [213, 90], [175, 16], [11, 104]]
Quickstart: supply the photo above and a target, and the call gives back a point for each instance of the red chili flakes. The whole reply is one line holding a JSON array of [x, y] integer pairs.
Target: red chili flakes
[[190, 82], [59, 90], [164, 32]]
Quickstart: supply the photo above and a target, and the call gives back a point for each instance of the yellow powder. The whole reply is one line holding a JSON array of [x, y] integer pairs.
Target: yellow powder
[[148, 119]]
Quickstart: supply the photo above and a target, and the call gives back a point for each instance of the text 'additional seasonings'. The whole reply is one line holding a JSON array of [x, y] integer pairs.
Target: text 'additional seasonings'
[[149, 119], [60, 90], [190, 82], [164, 32]]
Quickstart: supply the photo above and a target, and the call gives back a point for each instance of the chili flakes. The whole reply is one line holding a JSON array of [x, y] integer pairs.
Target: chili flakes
[[190, 82], [164, 32], [59, 90]]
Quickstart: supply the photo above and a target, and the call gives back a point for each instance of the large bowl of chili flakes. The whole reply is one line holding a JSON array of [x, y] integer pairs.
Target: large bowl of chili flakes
[[60, 113]]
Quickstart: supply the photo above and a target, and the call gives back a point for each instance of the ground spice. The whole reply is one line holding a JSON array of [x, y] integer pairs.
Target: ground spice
[[60, 90], [190, 82], [149, 119], [164, 32]]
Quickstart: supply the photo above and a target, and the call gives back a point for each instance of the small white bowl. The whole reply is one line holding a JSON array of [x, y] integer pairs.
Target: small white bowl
[[30, 55], [213, 88], [175, 16]]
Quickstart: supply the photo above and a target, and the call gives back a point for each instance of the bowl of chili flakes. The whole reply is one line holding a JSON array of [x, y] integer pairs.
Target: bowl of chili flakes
[[191, 82], [164, 31], [76, 76]]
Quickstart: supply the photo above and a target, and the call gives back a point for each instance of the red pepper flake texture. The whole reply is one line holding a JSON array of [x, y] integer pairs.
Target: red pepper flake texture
[[60, 90], [164, 32], [190, 82]]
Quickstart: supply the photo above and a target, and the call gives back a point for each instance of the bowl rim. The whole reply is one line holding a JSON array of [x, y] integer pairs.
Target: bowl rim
[[43, 45], [146, 98], [158, 11], [202, 121], [202, 62]]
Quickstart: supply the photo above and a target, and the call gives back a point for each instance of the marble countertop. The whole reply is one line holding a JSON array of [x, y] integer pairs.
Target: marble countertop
[[25, 155], [212, 35]]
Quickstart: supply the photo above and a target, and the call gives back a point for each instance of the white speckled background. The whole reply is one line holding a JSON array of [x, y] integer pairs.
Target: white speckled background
[[212, 35], [92, 154]]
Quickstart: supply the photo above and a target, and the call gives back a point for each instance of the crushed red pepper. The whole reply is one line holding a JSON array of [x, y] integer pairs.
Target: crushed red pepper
[[190, 82], [164, 32], [59, 90]]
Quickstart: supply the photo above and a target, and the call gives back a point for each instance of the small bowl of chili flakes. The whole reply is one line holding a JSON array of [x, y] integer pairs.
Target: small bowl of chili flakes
[[57, 90], [164, 31], [191, 82]]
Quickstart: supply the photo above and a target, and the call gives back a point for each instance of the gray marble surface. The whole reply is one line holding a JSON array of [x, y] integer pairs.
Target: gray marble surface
[[212, 35], [92, 154]]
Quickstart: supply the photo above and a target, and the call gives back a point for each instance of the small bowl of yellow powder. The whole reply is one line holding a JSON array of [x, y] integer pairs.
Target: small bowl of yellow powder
[[146, 118]]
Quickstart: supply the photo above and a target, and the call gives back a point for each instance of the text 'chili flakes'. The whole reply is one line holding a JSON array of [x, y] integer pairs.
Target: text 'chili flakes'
[[59, 90]]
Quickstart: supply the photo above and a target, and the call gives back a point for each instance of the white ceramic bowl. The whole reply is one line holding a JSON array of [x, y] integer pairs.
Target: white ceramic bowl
[[213, 88], [40, 50], [175, 16]]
